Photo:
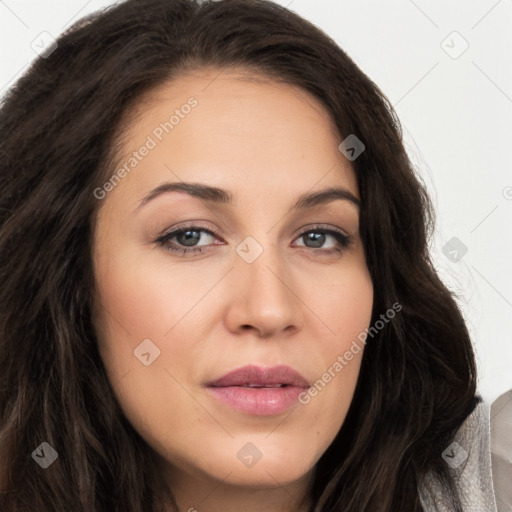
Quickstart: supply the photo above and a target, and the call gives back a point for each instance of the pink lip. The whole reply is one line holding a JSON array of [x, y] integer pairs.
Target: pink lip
[[232, 389]]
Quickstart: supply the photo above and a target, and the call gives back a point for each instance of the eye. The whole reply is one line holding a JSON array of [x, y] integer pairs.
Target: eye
[[185, 240], [318, 235]]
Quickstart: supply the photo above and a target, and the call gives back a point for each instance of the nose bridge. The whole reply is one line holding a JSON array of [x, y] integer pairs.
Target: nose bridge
[[261, 266], [263, 295]]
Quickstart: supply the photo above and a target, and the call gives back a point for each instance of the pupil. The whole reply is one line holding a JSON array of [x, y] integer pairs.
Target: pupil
[[189, 239], [318, 239]]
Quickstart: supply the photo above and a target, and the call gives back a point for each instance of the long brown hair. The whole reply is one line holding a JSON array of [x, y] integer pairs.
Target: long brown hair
[[58, 127]]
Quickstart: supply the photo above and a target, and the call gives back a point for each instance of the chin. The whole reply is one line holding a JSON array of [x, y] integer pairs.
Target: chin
[[267, 477], [270, 471]]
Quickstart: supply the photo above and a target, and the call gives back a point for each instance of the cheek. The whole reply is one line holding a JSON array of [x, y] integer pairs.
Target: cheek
[[148, 300], [140, 303], [143, 300], [344, 305], [345, 308]]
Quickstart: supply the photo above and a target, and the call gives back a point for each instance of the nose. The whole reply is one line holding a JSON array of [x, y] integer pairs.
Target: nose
[[263, 298]]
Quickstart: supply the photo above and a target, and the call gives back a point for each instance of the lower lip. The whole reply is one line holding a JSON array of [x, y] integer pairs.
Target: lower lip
[[261, 401]]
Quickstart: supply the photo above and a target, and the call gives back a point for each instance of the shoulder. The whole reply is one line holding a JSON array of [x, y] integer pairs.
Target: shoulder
[[469, 459], [501, 450]]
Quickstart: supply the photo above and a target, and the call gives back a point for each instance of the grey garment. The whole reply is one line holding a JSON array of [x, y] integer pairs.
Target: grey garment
[[469, 458], [501, 450]]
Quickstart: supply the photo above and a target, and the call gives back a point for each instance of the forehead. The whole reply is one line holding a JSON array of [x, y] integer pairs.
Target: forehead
[[244, 130]]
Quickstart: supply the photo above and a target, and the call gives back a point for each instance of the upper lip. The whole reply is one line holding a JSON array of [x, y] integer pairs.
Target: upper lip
[[255, 375]]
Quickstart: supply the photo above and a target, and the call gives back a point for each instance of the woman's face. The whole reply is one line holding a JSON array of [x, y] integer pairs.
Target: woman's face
[[253, 289]]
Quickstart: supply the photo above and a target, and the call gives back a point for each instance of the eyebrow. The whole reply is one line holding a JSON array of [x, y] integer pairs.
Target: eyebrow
[[221, 196]]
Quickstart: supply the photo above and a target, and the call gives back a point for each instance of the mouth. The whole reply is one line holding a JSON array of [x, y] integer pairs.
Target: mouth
[[255, 376], [259, 391]]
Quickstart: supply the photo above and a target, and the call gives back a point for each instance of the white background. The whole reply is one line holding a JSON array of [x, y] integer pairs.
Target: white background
[[456, 114]]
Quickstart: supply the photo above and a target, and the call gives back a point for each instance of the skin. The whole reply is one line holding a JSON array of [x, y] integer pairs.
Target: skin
[[210, 313]]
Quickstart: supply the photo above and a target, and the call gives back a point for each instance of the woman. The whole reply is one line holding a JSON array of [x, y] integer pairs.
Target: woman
[[216, 287]]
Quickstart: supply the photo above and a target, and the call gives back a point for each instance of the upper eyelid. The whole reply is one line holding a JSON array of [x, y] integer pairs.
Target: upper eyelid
[[180, 229]]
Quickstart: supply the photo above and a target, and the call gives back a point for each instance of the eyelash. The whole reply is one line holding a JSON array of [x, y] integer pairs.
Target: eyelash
[[343, 240]]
